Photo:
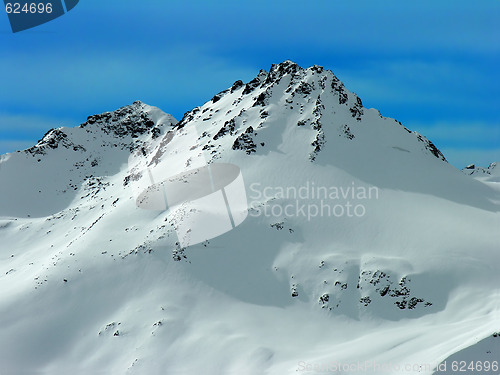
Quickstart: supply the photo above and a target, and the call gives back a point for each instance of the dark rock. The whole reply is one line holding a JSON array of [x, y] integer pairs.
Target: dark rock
[[236, 86], [245, 141]]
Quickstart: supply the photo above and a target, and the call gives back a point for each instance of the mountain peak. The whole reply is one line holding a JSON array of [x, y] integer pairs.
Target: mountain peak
[[286, 67], [132, 119], [126, 124], [313, 100]]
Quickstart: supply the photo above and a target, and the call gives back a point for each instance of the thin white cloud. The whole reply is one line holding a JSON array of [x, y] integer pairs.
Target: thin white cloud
[[7, 146], [78, 78], [418, 82], [19, 132], [30, 124]]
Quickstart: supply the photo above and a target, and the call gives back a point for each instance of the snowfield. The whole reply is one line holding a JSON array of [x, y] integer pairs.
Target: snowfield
[[363, 250]]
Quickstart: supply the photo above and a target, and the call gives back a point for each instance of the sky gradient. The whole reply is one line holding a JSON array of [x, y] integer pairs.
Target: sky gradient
[[431, 65]]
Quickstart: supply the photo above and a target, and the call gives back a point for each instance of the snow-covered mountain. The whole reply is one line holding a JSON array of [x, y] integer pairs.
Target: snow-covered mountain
[[360, 245]]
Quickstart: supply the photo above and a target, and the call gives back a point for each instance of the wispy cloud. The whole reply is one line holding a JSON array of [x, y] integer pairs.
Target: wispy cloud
[[445, 85], [22, 126], [7, 146], [19, 132], [87, 84]]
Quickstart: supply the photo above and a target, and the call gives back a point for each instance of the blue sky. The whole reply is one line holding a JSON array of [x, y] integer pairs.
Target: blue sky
[[433, 65]]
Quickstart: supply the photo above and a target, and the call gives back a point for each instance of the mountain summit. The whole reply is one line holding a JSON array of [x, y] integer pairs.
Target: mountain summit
[[358, 242], [314, 98]]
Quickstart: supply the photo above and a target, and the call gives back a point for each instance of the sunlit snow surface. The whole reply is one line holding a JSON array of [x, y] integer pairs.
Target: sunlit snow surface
[[92, 284]]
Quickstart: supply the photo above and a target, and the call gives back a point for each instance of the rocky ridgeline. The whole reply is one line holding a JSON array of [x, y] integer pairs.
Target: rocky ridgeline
[[476, 171], [120, 128], [311, 94], [240, 113]]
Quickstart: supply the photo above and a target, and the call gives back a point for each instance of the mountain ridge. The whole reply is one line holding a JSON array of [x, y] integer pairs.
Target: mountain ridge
[[263, 84]]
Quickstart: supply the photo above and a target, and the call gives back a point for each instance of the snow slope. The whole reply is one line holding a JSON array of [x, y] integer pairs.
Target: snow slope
[[362, 246]]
